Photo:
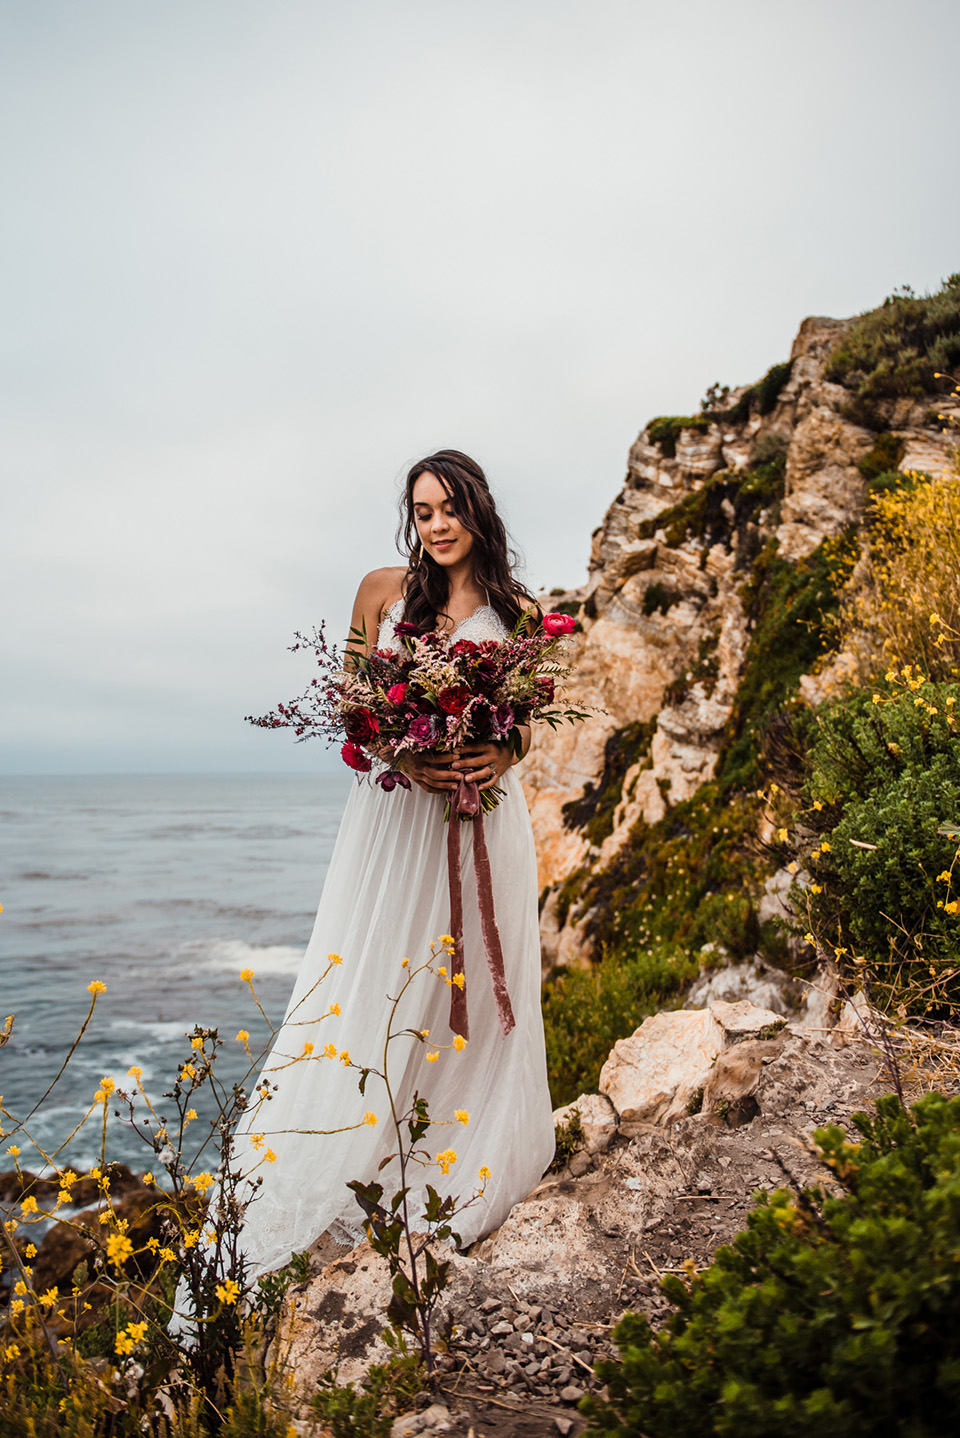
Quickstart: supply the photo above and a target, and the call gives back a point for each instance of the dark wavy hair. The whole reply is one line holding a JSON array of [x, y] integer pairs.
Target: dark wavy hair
[[426, 588]]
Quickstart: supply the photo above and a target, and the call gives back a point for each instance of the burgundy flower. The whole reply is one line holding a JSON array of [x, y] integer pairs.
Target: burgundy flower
[[353, 755], [502, 720], [423, 730], [454, 700], [557, 624], [361, 725], [396, 693], [546, 686], [390, 778], [405, 630], [465, 648]]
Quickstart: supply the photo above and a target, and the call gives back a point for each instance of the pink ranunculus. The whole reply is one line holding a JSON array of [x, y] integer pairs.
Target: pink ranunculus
[[396, 693], [556, 624], [353, 755]]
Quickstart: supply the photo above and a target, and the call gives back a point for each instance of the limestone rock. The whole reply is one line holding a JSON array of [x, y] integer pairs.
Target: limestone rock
[[652, 1076], [598, 1120]]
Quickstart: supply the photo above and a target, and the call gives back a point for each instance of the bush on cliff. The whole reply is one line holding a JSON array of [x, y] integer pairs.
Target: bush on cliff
[[884, 779], [897, 349], [833, 1312]]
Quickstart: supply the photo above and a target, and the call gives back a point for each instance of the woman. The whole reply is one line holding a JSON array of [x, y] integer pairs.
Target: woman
[[385, 898]]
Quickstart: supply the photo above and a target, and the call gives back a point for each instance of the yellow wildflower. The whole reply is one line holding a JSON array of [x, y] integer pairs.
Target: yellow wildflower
[[246, 975], [48, 1299], [459, 980], [124, 1344], [307, 1050], [404, 963], [201, 1182], [137, 1331], [344, 1056], [12, 1350], [432, 1058], [943, 878], [370, 1118], [29, 1205], [792, 867], [19, 1287], [782, 836], [459, 1043], [935, 618], [446, 939], [13, 1150], [824, 846], [816, 889], [334, 1009], [257, 1140], [334, 959], [809, 939], [243, 1037], [270, 1156], [119, 1248], [96, 988], [817, 804], [190, 1240], [135, 1072], [445, 1159], [167, 1255], [228, 1292], [484, 1173], [190, 1115], [31, 1250], [877, 698], [442, 971], [461, 1116], [330, 1051], [953, 907]]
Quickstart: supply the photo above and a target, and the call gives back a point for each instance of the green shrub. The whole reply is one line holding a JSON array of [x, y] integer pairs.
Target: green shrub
[[658, 596], [388, 1390], [763, 396], [665, 430], [702, 515], [886, 454], [888, 776], [585, 1011], [829, 1314], [897, 349], [593, 812]]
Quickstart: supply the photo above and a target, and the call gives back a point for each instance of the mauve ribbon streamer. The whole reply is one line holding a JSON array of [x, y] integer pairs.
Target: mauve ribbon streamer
[[466, 801]]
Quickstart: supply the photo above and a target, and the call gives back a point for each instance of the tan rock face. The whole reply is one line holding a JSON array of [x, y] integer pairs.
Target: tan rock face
[[651, 1077], [598, 1120], [825, 490]]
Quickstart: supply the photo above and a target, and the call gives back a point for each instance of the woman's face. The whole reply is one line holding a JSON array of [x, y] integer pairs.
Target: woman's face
[[441, 533]]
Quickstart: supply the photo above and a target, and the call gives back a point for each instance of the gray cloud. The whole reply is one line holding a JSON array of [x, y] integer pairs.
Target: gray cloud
[[256, 258]]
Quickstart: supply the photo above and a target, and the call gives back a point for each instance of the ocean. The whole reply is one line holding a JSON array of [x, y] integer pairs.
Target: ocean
[[164, 887]]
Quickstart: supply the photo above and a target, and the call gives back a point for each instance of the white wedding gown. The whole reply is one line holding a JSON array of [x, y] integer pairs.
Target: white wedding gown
[[384, 899]]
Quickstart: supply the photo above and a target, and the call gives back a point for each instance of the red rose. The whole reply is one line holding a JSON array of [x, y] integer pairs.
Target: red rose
[[361, 725], [557, 624], [396, 693], [353, 755], [465, 647], [454, 700]]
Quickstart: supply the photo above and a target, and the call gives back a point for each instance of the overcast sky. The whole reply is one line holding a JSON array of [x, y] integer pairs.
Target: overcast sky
[[256, 256]]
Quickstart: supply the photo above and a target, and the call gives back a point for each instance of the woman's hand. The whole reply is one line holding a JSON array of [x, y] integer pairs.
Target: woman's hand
[[483, 764], [430, 771]]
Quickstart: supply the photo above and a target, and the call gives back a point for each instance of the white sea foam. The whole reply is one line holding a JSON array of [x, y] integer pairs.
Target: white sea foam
[[235, 955]]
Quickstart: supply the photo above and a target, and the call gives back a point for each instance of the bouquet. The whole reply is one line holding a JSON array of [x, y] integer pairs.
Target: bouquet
[[435, 693]]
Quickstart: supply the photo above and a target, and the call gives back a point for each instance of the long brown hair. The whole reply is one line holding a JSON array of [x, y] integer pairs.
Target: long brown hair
[[426, 587]]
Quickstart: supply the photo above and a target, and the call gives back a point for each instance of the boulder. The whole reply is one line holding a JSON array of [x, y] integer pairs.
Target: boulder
[[654, 1076], [598, 1121]]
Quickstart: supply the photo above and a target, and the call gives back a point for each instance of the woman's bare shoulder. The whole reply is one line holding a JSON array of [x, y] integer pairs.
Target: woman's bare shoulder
[[380, 588]]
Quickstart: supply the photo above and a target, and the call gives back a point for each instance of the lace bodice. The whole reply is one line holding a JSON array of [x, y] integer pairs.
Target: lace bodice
[[483, 623]]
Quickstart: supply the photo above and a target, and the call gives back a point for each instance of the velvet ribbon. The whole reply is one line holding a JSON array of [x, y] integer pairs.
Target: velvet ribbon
[[466, 803]]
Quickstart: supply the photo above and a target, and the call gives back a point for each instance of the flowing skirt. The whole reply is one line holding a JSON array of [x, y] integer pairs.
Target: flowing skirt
[[385, 898]]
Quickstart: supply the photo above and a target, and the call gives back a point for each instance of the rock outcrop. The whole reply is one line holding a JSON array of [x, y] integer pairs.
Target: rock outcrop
[[665, 619]]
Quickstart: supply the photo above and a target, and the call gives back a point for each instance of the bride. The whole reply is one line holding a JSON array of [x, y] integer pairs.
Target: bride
[[384, 899]]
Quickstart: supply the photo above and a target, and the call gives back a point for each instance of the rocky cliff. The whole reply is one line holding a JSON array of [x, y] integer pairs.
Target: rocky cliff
[[709, 579]]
